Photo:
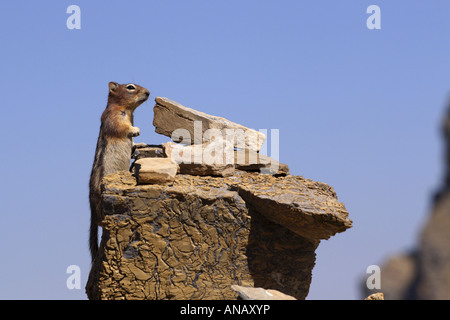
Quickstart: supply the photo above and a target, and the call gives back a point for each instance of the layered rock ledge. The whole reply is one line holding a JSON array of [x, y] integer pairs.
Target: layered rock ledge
[[197, 237]]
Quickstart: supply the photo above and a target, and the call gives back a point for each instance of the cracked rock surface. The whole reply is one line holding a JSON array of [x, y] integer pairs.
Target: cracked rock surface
[[197, 237]]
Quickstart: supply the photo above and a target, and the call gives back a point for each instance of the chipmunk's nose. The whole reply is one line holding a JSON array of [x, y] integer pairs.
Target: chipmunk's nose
[[147, 93]]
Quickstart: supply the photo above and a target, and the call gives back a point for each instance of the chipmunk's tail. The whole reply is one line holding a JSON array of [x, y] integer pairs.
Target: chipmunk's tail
[[93, 232]]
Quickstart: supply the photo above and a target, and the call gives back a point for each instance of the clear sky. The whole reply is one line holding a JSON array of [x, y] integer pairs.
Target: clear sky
[[358, 109]]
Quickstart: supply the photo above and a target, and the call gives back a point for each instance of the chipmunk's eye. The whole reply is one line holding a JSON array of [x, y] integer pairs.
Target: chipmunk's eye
[[131, 87]]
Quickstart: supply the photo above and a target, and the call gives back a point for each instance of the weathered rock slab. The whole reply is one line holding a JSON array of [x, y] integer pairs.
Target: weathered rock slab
[[155, 170], [170, 116], [309, 209]]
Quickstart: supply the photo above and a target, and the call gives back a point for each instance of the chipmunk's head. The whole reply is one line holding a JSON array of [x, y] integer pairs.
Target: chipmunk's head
[[130, 95]]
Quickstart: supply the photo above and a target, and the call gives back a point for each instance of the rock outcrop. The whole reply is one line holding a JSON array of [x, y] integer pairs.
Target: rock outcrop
[[194, 236], [424, 272]]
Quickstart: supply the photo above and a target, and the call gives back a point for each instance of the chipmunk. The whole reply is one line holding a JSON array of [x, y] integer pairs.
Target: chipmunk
[[114, 146]]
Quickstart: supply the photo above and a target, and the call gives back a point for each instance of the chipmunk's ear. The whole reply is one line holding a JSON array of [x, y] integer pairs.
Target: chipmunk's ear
[[113, 86]]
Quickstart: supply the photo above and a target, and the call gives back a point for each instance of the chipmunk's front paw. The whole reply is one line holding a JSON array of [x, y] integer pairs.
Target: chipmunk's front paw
[[135, 132]]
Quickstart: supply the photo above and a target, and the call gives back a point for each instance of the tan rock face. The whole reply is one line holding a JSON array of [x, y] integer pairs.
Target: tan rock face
[[155, 170], [170, 116], [197, 237]]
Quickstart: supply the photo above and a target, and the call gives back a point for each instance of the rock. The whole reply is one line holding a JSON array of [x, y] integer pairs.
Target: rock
[[249, 160], [140, 145], [191, 160], [309, 209], [375, 296], [148, 151], [196, 238], [200, 169], [155, 170], [246, 160], [423, 273], [433, 254], [197, 160], [250, 293], [175, 121]]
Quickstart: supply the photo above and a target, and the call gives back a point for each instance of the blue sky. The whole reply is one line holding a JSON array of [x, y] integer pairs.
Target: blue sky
[[358, 109]]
